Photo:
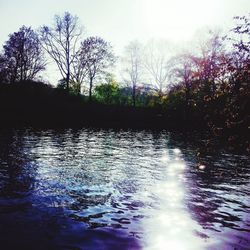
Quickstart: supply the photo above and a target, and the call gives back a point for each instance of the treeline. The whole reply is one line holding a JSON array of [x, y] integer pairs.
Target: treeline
[[30, 103], [78, 60], [207, 86]]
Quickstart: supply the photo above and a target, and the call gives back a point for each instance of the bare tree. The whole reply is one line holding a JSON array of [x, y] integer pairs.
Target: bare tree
[[155, 62], [61, 41], [182, 69], [23, 57], [182, 75], [133, 66], [96, 55], [79, 70]]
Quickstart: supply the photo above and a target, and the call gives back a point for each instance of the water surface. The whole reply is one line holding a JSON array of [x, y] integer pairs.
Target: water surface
[[106, 189]]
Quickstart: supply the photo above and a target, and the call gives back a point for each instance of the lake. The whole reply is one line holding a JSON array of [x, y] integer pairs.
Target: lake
[[121, 189]]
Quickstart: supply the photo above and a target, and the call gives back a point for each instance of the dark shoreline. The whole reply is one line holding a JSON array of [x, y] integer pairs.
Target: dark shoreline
[[37, 105]]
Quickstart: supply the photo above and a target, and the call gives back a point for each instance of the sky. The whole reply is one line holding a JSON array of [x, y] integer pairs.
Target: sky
[[120, 21]]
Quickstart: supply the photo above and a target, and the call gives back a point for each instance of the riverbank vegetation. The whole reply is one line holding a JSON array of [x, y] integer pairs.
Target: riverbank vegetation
[[207, 87]]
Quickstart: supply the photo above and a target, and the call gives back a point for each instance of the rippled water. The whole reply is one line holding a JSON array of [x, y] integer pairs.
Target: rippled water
[[105, 189]]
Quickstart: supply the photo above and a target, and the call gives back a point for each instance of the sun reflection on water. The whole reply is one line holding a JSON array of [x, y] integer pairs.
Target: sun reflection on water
[[171, 226]]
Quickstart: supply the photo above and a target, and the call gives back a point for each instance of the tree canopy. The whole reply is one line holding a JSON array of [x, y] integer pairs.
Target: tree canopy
[[22, 58]]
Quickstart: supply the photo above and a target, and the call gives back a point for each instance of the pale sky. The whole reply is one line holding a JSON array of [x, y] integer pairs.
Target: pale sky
[[120, 21]]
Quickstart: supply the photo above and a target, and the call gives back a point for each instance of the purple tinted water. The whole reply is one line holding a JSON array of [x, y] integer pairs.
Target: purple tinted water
[[106, 189]]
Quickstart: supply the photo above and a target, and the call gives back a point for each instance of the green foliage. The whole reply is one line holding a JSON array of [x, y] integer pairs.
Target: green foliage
[[175, 100], [108, 92]]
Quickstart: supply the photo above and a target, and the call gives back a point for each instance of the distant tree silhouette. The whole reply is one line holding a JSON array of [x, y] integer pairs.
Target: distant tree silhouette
[[61, 41], [155, 63], [182, 74], [133, 66], [96, 56], [22, 58]]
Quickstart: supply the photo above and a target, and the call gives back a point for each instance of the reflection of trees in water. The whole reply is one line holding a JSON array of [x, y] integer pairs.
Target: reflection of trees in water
[[17, 174]]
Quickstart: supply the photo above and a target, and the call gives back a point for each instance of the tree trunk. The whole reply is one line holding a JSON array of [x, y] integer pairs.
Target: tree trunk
[[79, 89], [133, 95], [90, 89], [67, 82], [21, 75], [68, 60], [187, 98]]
